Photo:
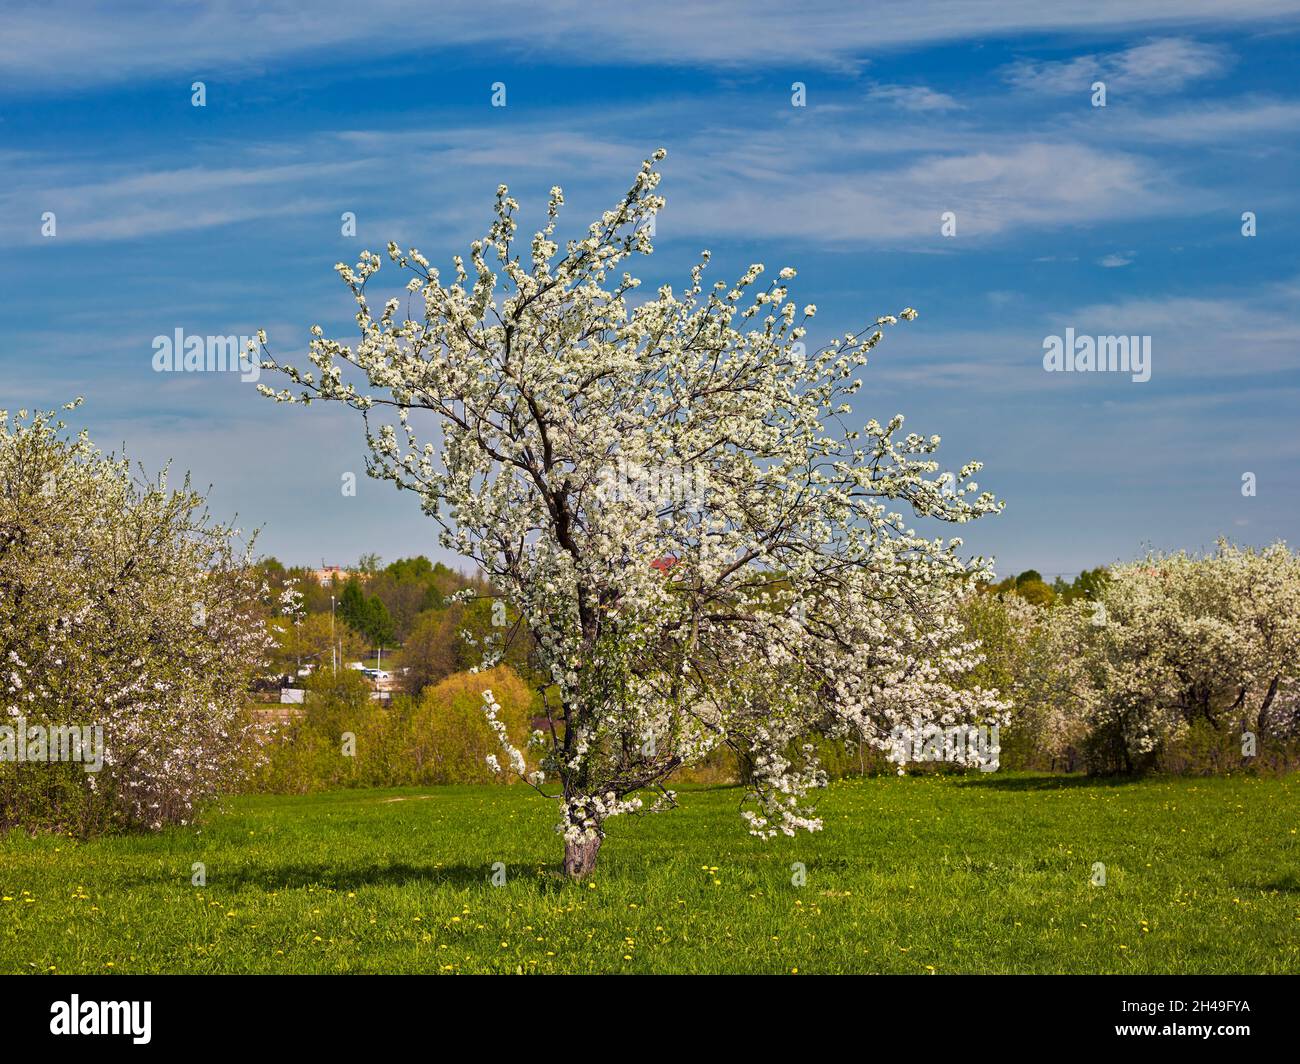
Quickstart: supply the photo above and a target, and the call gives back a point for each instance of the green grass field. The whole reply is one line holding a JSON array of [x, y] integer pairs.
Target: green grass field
[[910, 875]]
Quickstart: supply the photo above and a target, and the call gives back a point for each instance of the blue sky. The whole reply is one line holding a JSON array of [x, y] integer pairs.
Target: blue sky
[[1117, 220]]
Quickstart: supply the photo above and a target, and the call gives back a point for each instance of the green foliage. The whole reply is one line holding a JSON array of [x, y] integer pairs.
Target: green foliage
[[366, 614], [1031, 586], [446, 737], [48, 797], [378, 623], [451, 640], [432, 650], [1087, 585], [308, 642], [1035, 592], [276, 576], [441, 737], [352, 604]]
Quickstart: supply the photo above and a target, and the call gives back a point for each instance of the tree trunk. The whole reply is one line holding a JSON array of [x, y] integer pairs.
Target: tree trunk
[[1262, 722], [580, 858], [744, 768]]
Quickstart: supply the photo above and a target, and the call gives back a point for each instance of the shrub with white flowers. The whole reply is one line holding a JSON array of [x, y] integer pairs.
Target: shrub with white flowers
[[1179, 639], [123, 608], [783, 595]]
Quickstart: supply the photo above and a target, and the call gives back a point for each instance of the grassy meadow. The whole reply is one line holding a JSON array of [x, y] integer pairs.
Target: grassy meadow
[[913, 875]]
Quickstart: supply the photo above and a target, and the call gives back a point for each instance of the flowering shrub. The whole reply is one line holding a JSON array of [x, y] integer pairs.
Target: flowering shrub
[[797, 600], [1177, 640], [123, 608]]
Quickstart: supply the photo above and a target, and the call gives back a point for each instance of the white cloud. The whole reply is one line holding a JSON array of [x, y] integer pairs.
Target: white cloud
[[1229, 122], [68, 45], [914, 98], [1233, 340], [1007, 187], [1156, 66], [720, 182], [143, 202]]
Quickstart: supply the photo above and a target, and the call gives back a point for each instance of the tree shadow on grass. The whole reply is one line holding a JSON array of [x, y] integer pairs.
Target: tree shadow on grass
[[1288, 884], [353, 877], [993, 782]]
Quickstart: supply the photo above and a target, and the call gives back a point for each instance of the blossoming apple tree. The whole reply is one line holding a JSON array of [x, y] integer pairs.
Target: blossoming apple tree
[[1178, 639], [782, 596], [123, 608]]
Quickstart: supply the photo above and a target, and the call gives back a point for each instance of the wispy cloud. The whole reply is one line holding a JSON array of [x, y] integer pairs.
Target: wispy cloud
[[1204, 336], [720, 182], [1227, 122], [1005, 188], [914, 98], [68, 45], [1234, 339], [1156, 66], [138, 201]]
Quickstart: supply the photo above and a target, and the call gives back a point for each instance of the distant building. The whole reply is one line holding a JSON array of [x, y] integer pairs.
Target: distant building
[[327, 574]]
